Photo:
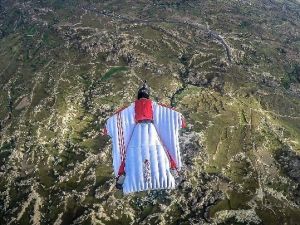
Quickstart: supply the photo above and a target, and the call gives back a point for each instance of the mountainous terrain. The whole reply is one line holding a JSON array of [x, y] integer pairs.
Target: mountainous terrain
[[231, 67]]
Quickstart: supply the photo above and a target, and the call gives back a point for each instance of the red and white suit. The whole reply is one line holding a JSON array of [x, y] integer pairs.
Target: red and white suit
[[145, 145]]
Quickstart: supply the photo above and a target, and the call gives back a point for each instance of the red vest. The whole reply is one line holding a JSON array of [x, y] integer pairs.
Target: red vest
[[143, 109]]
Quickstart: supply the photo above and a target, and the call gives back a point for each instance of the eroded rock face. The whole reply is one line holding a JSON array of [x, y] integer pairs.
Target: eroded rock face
[[290, 162], [23, 103], [231, 68]]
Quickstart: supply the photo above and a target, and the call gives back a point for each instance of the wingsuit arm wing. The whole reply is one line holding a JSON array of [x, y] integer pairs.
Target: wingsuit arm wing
[[112, 131], [168, 122], [119, 127]]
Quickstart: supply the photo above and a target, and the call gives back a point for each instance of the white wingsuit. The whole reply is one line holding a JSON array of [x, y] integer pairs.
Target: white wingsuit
[[146, 150]]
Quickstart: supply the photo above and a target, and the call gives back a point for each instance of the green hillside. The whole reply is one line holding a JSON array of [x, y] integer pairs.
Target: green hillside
[[232, 68]]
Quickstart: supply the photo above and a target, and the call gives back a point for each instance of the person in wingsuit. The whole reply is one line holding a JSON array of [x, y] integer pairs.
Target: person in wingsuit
[[145, 142]]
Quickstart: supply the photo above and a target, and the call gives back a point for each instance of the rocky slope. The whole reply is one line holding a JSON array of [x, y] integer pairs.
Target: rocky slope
[[231, 67]]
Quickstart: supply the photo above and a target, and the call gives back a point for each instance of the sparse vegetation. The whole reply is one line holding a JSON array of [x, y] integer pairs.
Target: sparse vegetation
[[231, 67]]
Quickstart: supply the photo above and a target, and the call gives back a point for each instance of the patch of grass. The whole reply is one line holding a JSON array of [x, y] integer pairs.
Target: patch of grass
[[103, 174], [40, 93], [292, 76], [73, 210], [279, 214], [7, 145], [26, 218], [239, 200], [46, 176], [31, 31], [221, 205], [51, 39], [245, 24], [113, 71], [90, 144]]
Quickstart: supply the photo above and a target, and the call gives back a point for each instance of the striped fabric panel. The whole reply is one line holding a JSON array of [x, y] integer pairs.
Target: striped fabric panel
[[120, 136]]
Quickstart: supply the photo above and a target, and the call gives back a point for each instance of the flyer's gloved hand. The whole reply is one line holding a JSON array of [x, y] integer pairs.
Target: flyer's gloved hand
[[176, 176], [120, 181], [174, 173]]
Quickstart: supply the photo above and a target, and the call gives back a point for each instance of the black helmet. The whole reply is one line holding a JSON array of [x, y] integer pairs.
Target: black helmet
[[144, 91]]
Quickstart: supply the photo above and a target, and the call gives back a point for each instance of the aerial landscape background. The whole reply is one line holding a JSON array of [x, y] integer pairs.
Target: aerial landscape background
[[232, 68]]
